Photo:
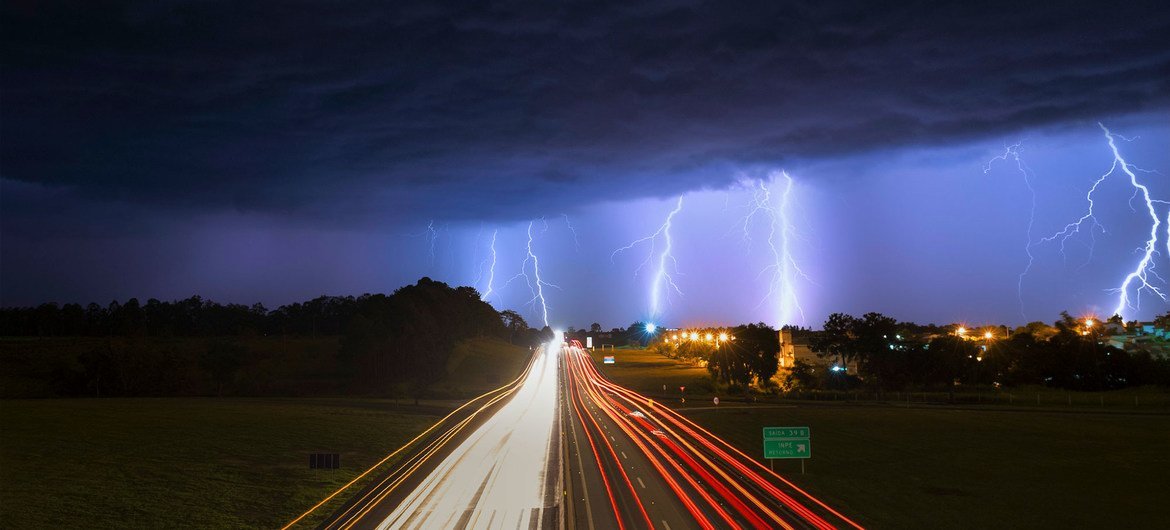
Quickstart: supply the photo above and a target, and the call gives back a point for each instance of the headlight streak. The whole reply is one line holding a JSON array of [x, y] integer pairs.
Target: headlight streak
[[717, 461], [661, 275]]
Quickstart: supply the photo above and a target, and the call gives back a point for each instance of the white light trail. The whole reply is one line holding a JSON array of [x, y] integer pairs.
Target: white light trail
[[504, 474], [662, 276]]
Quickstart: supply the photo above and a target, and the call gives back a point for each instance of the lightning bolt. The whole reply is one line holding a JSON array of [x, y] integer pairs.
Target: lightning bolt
[[1140, 276], [432, 236], [784, 267], [536, 287], [491, 268], [662, 276], [1137, 280], [1013, 152], [569, 225]]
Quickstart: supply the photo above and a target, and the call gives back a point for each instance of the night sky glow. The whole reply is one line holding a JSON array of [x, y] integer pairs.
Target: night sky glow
[[817, 159]]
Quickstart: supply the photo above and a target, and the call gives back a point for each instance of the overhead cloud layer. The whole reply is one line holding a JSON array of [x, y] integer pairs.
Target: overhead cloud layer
[[361, 113]]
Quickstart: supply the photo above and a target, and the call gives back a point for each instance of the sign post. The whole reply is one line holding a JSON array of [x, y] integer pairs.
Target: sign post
[[787, 442]]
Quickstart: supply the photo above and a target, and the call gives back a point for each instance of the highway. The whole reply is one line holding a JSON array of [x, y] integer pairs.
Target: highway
[[634, 463], [503, 475], [566, 448]]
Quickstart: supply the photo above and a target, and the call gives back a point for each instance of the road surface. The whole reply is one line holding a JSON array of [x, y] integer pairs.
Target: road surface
[[566, 448], [506, 473], [633, 463]]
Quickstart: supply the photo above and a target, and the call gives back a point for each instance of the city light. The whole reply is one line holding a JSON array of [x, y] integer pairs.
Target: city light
[[987, 335], [650, 327], [722, 337], [962, 331]]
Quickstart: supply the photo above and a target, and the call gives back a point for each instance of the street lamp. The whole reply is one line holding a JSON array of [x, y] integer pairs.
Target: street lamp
[[962, 331]]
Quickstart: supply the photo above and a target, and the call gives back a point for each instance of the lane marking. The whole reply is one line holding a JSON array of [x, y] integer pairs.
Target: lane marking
[[664, 525], [624, 455], [640, 483]]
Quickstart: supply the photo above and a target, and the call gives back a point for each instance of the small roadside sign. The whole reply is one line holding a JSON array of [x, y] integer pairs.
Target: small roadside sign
[[608, 359], [716, 402], [324, 461]]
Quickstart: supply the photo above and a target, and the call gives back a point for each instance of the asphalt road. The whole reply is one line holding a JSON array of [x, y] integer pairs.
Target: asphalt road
[[505, 473], [566, 448], [634, 463]]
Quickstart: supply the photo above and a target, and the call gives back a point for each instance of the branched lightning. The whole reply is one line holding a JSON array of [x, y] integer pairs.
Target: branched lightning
[[491, 267], [1137, 280], [784, 268], [1145, 267], [662, 275], [1013, 152], [537, 286], [569, 225], [432, 236]]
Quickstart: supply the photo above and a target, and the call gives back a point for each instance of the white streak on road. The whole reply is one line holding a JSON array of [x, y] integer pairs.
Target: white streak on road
[[496, 478]]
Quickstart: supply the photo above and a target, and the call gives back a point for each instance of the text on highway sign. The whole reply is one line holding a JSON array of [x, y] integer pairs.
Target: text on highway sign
[[787, 442]]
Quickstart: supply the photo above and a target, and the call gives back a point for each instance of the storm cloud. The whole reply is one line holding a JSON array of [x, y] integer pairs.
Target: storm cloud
[[361, 113]]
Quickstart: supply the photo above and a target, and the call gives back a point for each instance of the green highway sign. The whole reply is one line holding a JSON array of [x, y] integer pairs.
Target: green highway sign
[[787, 442]]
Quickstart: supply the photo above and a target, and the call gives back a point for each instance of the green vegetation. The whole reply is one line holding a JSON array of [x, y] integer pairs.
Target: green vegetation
[[211, 462], [401, 344], [898, 467], [186, 462], [479, 365], [646, 371], [928, 466]]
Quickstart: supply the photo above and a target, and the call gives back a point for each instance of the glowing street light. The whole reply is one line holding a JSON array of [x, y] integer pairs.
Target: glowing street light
[[987, 335], [722, 337], [709, 337], [650, 327], [694, 336], [961, 331]]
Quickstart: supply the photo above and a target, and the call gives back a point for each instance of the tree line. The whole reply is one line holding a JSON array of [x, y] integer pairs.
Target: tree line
[[891, 355], [374, 344], [738, 357]]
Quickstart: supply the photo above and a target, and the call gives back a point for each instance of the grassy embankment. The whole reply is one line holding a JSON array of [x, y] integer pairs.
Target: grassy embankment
[[931, 466], [205, 462]]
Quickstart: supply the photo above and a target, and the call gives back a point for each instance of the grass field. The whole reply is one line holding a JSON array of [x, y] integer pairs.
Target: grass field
[[931, 466], [648, 372], [185, 462], [206, 462]]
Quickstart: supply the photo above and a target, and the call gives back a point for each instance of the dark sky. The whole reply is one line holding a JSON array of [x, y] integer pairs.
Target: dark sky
[[274, 151]]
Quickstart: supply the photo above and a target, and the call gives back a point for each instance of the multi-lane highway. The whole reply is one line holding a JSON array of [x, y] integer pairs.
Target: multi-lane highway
[[636, 464], [505, 474], [566, 448]]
